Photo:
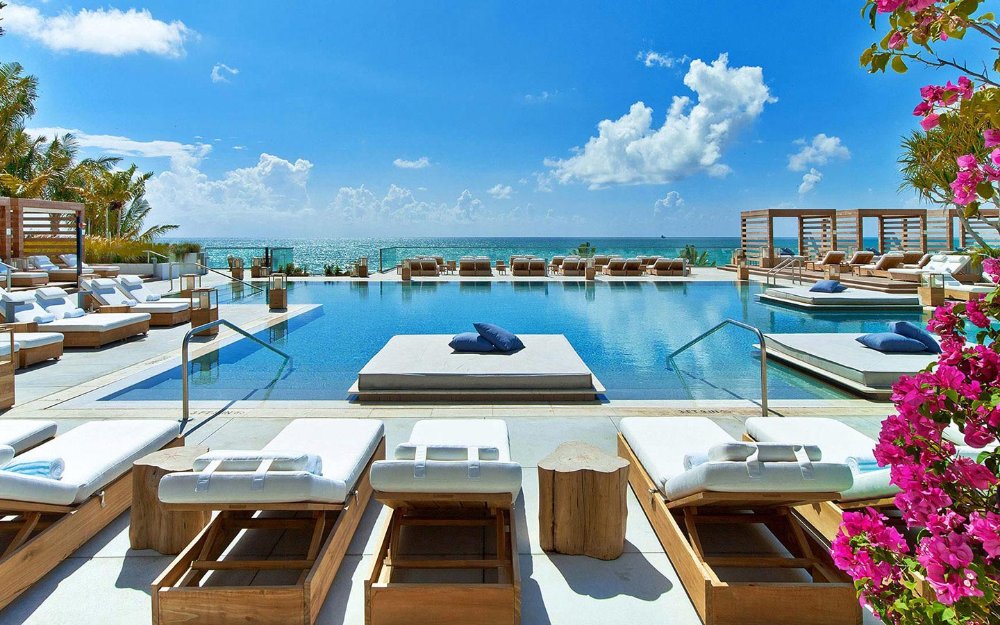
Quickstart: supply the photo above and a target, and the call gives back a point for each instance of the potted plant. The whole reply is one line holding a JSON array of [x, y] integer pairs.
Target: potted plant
[[186, 252]]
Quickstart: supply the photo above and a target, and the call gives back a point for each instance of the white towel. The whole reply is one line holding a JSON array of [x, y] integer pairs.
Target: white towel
[[6, 454], [51, 468], [152, 297], [250, 460], [863, 464], [695, 459], [72, 313]]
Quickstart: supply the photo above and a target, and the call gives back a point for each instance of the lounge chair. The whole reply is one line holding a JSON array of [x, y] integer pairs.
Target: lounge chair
[[957, 265], [573, 266], [557, 262], [832, 257], [467, 266], [615, 267], [698, 485], [56, 273], [601, 260], [881, 267], [838, 442], [453, 477], [56, 311], [45, 520], [858, 259], [633, 267], [520, 266], [668, 267], [26, 278], [105, 271], [109, 296], [25, 434], [537, 267], [32, 347], [310, 482], [954, 289], [647, 261]]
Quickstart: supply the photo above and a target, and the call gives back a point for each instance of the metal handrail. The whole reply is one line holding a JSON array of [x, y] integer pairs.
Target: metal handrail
[[185, 399], [258, 289], [789, 263], [151, 252], [763, 354]]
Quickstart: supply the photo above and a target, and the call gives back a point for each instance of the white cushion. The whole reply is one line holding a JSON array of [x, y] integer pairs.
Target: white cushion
[[97, 323], [660, 444], [160, 307], [136, 288], [6, 454], [438, 466], [344, 445], [24, 433], [106, 292], [31, 340], [95, 454], [836, 439]]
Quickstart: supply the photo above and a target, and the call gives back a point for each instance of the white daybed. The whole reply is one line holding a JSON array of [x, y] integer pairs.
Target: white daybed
[[107, 293], [453, 478], [702, 491], [310, 483], [23, 434], [55, 272], [854, 298], [107, 271], [424, 367], [44, 520], [839, 358], [54, 309]]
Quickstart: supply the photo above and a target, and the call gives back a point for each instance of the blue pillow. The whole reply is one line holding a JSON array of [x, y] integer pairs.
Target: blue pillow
[[828, 286], [915, 332], [471, 342], [503, 340], [786, 251], [892, 343]]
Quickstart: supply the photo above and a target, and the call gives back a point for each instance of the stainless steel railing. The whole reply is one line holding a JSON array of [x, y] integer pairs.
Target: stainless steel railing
[[744, 326], [185, 390], [791, 263]]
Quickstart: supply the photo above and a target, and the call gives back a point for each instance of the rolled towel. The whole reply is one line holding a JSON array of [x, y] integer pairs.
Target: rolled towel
[[693, 460], [73, 313], [6, 454], [863, 464], [131, 302], [51, 468], [152, 297], [240, 460]]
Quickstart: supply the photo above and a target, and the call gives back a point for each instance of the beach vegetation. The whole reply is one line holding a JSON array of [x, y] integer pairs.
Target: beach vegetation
[[584, 250], [695, 258]]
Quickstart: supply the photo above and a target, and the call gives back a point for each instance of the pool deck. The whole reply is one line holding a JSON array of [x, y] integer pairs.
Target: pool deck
[[107, 578]]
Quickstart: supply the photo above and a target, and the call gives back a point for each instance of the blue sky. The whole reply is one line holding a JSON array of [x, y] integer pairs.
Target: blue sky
[[434, 118]]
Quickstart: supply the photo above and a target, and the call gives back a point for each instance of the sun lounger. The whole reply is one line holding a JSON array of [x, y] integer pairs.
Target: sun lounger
[[703, 491], [881, 267], [452, 477], [56, 273], [109, 296], [319, 495], [633, 267], [833, 257], [27, 278], [859, 258], [24, 434], [573, 266], [601, 261], [615, 267], [956, 290], [557, 262], [668, 267], [647, 260], [957, 265], [55, 311], [537, 267], [45, 520], [853, 298], [33, 347], [838, 442], [911, 257], [106, 271], [520, 266]]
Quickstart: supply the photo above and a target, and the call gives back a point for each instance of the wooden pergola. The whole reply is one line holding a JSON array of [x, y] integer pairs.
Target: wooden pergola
[[898, 229], [30, 227], [817, 232]]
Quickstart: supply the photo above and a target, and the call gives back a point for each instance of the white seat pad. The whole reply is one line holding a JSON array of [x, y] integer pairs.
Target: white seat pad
[[452, 476], [95, 322], [24, 433], [344, 445], [95, 454], [31, 340], [838, 442], [660, 445], [160, 307]]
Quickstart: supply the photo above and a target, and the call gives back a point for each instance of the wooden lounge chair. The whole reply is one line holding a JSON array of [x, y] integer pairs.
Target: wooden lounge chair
[[881, 267], [537, 267], [911, 257], [858, 259], [832, 257], [109, 296], [647, 261], [668, 267], [958, 266], [45, 520], [27, 278], [56, 311], [615, 267], [520, 267], [32, 346], [633, 267], [696, 483], [467, 266], [573, 266], [556, 263], [838, 442], [317, 489], [56, 273], [24, 434], [105, 271], [953, 289], [453, 476], [601, 261]]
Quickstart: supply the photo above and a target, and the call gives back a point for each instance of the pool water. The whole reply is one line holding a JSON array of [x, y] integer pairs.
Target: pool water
[[624, 331]]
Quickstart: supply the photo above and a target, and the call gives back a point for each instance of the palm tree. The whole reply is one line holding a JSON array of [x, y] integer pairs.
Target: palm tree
[[106, 192], [133, 218], [584, 250], [694, 258]]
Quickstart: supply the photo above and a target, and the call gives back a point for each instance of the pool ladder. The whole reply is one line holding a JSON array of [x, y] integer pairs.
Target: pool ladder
[[185, 391], [791, 263], [716, 328]]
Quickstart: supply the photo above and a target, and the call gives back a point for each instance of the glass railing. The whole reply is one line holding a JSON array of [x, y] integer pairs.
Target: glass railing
[[280, 257]]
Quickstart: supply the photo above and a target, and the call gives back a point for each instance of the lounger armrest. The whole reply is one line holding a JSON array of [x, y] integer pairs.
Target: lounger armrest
[[114, 309]]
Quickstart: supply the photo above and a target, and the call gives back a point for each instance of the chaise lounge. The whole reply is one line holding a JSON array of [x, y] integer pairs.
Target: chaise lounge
[[54, 310], [881, 267], [24, 434], [832, 257], [668, 267], [56, 273], [105, 271], [109, 297], [615, 267]]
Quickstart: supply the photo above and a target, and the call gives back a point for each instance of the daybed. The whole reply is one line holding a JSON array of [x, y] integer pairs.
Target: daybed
[[105, 271], [699, 487], [27, 278], [957, 265], [453, 479], [469, 266], [56, 273], [34, 347], [54, 310], [44, 520], [107, 294], [519, 266], [855, 298], [956, 290], [573, 266]]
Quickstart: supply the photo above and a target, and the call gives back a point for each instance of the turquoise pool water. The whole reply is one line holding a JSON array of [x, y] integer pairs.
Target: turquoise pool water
[[623, 331]]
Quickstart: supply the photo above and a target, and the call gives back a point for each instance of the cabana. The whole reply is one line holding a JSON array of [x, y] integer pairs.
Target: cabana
[[816, 233], [33, 227]]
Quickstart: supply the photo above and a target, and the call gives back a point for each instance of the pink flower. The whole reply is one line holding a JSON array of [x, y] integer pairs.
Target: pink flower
[[897, 40], [919, 5], [931, 121], [888, 6], [977, 437], [973, 474], [922, 109], [967, 161], [976, 315], [992, 137], [985, 527], [991, 266], [964, 186], [995, 156]]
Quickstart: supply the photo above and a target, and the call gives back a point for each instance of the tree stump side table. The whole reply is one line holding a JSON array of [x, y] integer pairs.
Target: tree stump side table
[[581, 501], [151, 526]]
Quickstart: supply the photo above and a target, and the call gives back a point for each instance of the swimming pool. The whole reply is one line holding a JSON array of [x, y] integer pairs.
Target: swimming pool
[[622, 330]]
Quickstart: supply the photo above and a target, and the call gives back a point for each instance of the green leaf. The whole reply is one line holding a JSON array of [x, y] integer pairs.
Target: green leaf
[[966, 7], [898, 65], [866, 57]]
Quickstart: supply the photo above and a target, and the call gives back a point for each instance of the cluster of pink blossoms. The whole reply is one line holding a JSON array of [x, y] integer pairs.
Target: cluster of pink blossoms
[[888, 6], [943, 490], [972, 172], [935, 97]]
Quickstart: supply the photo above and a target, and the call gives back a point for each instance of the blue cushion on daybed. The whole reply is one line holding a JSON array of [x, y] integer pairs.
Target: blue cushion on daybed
[[786, 251], [828, 286], [503, 340], [892, 343], [913, 331], [471, 342]]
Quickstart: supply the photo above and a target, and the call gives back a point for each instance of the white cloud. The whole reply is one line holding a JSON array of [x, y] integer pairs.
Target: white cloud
[[360, 205], [651, 58], [809, 181], [543, 181], [221, 72], [501, 191], [181, 154], [539, 98], [691, 140], [239, 147], [821, 150], [101, 31], [672, 199], [420, 163]]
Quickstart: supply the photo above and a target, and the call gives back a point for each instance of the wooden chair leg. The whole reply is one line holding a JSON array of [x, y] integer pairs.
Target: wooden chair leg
[[30, 521]]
